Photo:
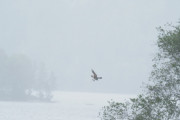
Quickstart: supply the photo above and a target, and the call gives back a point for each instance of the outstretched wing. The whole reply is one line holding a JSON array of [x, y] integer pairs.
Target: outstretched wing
[[93, 72]]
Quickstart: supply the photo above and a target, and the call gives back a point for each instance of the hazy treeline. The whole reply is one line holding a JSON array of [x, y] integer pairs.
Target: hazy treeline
[[23, 79]]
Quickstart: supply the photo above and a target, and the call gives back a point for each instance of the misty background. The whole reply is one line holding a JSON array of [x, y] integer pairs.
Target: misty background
[[115, 38]]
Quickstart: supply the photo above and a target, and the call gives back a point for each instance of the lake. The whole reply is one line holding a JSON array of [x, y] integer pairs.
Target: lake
[[66, 106]]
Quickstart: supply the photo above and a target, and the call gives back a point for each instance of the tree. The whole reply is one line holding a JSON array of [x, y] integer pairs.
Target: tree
[[20, 79], [44, 83], [161, 99]]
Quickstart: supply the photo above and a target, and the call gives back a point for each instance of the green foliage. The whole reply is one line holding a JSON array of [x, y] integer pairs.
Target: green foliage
[[114, 111], [161, 101]]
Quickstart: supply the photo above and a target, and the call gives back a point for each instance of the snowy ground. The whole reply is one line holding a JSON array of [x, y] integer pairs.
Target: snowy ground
[[67, 106]]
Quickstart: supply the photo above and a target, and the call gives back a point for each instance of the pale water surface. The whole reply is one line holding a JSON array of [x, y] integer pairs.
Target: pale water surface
[[67, 106]]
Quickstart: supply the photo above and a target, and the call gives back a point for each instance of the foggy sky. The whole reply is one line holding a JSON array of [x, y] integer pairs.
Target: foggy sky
[[116, 38]]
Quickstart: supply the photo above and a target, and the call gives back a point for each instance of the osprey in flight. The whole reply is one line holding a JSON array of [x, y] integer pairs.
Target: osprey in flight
[[94, 76]]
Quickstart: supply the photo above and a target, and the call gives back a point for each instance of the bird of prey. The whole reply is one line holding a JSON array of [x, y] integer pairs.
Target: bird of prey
[[94, 76]]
